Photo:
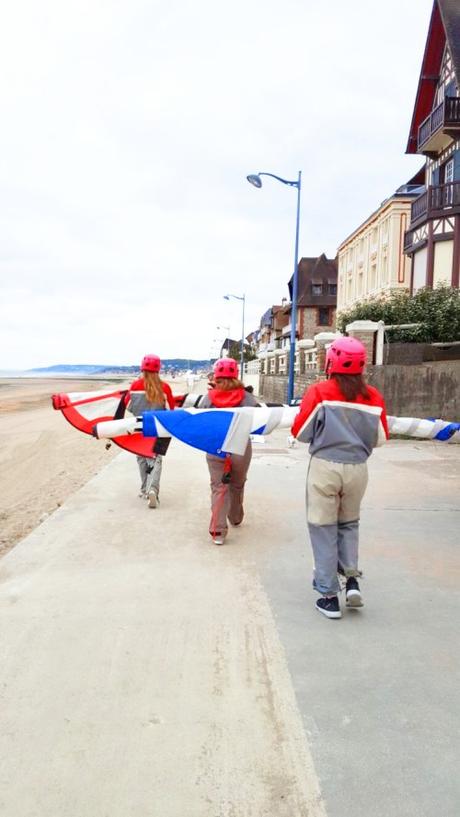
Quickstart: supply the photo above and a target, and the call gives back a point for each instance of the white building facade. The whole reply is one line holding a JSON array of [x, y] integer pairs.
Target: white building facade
[[371, 260]]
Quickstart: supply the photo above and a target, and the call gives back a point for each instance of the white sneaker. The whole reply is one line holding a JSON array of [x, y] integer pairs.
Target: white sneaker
[[153, 499], [218, 540], [353, 593]]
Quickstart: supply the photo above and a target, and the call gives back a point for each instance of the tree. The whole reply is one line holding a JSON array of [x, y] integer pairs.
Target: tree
[[436, 310], [234, 351]]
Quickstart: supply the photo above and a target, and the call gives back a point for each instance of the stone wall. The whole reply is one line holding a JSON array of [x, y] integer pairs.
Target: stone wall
[[423, 390], [273, 388], [308, 323], [409, 353]]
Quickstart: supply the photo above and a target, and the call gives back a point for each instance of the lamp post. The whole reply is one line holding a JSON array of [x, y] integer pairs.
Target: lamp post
[[256, 181], [243, 299]]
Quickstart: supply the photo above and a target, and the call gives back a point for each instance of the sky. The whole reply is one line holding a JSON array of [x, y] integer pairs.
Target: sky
[[128, 129]]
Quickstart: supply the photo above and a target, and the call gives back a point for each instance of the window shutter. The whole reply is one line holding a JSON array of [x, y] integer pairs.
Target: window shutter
[[435, 177]]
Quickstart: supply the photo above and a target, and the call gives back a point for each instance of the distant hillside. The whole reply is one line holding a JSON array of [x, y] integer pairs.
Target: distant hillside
[[180, 364]]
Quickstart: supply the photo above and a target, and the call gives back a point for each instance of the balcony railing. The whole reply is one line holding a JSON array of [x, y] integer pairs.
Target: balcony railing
[[419, 206], [435, 200], [439, 126]]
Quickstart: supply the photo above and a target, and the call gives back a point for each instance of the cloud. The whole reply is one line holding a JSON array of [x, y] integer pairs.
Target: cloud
[[128, 132]]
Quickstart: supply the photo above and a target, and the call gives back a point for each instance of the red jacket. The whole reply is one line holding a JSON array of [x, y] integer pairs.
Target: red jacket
[[338, 429], [139, 385]]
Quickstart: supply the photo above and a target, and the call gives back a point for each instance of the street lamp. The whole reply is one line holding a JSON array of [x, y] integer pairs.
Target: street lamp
[[243, 299], [256, 181]]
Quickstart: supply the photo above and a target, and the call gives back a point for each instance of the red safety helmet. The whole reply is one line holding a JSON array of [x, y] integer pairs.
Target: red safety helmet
[[151, 363], [346, 356], [226, 367]]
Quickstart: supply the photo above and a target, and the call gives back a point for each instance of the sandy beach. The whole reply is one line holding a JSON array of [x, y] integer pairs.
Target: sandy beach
[[43, 459]]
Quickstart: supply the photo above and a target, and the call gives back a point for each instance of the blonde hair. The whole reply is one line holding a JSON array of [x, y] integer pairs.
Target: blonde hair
[[154, 388], [228, 383]]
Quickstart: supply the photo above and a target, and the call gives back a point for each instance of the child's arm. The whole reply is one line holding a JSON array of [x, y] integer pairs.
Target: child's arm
[[383, 432], [169, 396], [304, 423]]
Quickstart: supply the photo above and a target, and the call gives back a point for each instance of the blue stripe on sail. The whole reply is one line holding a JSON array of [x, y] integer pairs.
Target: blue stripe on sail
[[447, 432], [205, 431], [149, 426]]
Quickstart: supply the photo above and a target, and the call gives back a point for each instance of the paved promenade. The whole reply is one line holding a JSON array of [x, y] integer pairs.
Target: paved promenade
[[145, 672]]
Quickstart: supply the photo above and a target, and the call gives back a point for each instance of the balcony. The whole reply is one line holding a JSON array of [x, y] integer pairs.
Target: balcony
[[442, 125], [437, 201]]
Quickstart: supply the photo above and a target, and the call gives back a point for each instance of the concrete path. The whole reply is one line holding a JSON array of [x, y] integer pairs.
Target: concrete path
[[145, 672]]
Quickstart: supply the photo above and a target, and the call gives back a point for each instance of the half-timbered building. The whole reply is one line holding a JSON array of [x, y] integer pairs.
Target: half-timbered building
[[433, 238]]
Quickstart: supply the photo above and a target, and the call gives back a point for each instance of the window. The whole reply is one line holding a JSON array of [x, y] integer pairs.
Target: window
[[384, 264], [324, 318], [332, 289], [451, 88], [373, 277], [316, 289], [449, 171]]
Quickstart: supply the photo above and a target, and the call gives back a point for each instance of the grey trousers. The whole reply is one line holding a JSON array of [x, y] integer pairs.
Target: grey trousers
[[227, 499], [150, 472], [334, 494]]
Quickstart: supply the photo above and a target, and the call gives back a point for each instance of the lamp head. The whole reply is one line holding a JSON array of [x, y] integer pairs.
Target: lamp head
[[255, 180], [226, 297]]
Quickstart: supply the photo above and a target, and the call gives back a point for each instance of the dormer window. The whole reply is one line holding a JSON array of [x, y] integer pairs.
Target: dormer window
[[317, 288]]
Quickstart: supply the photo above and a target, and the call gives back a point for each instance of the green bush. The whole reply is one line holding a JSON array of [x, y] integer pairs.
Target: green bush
[[437, 310]]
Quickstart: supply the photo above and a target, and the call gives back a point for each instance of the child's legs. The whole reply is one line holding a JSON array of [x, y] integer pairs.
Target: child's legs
[[355, 479], [153, 477], [324, 484], [220, 497], [323, 540], [240, 467], [143, 465]]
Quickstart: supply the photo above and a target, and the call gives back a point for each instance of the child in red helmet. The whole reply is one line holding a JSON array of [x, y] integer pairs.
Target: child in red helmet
[[343, 419], [147, 394], [228, 474]]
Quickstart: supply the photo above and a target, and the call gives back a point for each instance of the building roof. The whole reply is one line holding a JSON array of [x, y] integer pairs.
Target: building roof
[[444, 27], [267, 317], [315, 271]]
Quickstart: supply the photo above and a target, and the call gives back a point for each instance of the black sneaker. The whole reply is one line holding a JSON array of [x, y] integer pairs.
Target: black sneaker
[[353, 593], [329, 606]]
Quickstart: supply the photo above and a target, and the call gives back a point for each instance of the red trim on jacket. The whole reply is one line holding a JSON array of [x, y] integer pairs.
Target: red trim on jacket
[[329, 390]]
